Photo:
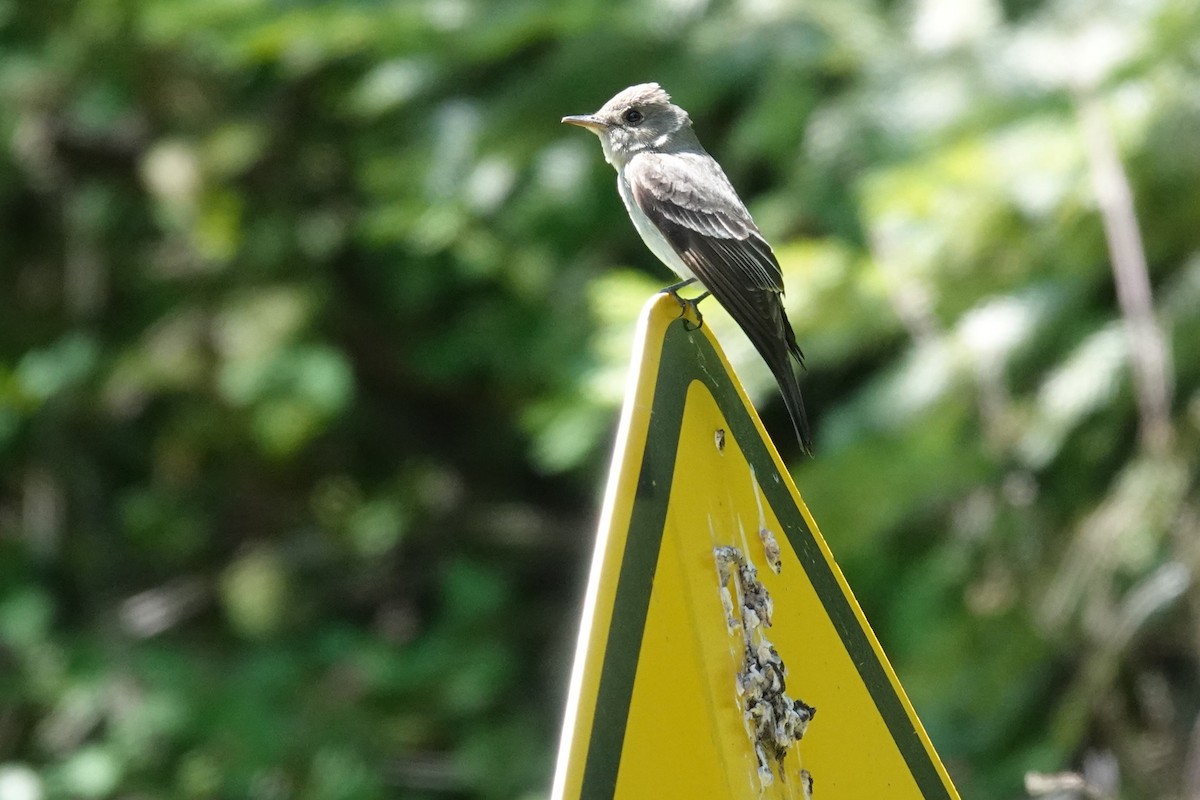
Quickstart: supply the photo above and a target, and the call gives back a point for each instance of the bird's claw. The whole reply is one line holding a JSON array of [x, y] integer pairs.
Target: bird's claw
[[695, 308], [686, 305]]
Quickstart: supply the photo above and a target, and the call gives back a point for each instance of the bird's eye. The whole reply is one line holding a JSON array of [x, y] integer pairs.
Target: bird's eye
[[633, 116]]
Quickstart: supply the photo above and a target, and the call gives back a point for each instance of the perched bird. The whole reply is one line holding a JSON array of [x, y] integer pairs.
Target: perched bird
[[689, 215]]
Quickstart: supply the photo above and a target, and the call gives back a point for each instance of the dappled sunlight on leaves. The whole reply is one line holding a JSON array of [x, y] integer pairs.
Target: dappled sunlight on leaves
[[316, 325], [1085, 382]]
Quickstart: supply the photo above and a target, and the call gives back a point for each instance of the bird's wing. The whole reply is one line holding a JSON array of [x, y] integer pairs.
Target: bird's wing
[[711, 230], [705, 221]]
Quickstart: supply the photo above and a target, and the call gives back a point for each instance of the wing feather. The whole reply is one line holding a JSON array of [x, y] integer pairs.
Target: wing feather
[[665, 189], [711, 230]]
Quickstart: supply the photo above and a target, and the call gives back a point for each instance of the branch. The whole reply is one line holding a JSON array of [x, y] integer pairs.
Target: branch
[[1153, 372]]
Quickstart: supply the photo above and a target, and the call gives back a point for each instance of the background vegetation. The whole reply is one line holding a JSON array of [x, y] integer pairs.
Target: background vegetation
[[313, 323]]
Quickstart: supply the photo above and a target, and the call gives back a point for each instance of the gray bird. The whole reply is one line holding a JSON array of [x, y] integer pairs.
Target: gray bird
[[688, 214]]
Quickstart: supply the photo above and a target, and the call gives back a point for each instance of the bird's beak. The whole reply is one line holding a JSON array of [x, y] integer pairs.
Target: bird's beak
[[588, 121]]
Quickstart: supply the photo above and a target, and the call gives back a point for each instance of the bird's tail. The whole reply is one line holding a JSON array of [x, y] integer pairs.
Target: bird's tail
[[789, 387], [760, 315]]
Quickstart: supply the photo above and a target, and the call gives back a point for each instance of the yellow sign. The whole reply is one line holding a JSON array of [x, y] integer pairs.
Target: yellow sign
[[721, 653]]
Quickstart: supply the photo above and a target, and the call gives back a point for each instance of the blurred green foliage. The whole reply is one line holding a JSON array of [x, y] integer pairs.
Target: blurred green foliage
[[314, 325]]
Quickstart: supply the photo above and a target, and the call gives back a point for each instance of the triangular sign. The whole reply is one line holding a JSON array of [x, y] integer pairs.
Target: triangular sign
[[716, 620]]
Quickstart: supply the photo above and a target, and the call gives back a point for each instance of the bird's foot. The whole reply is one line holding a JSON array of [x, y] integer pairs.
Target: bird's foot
[[690, 307], [687, 304]]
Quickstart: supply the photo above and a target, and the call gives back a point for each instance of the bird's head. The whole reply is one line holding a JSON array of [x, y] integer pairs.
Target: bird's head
[[639, 118]]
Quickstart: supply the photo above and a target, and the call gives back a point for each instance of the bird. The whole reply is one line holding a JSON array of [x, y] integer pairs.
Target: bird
[[689, 215]]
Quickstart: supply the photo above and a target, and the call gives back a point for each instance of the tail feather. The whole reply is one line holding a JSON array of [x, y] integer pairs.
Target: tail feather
[[789, 387], [778, 347], [760, 315]]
